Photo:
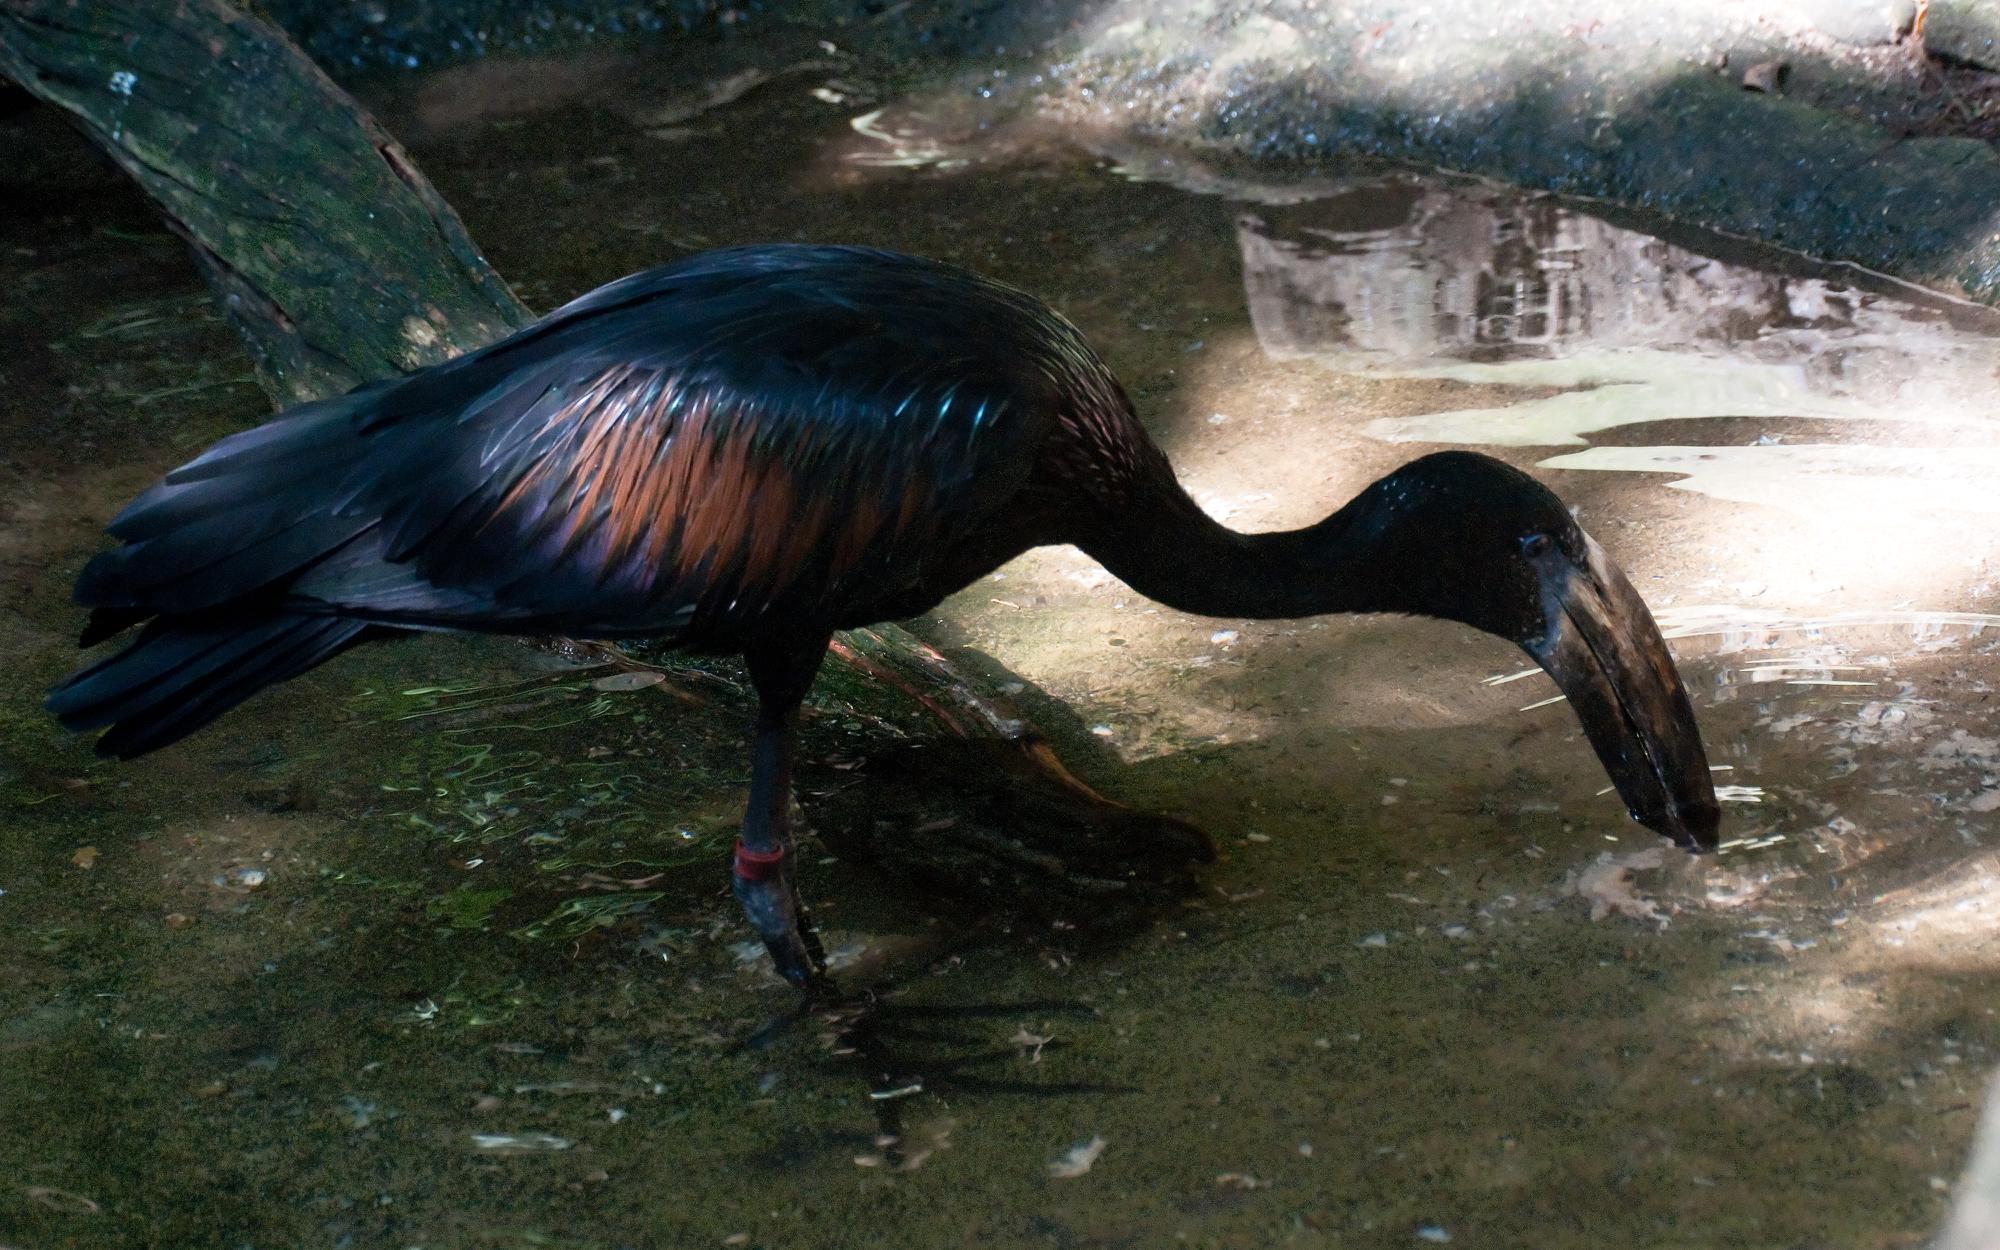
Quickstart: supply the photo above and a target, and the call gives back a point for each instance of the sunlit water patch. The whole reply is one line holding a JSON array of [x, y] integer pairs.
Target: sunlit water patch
[[1408, 278]]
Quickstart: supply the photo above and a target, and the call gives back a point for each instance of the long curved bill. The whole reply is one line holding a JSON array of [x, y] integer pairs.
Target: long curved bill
[[1606, 653]]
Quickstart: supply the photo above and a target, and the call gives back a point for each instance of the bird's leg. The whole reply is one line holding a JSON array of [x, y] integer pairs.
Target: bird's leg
[[764, 874]]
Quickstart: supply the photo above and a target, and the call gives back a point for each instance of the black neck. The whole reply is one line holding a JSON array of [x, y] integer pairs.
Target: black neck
[[1172, 552]]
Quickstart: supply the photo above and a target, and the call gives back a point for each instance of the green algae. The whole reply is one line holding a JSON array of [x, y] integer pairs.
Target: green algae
[[465, 908]]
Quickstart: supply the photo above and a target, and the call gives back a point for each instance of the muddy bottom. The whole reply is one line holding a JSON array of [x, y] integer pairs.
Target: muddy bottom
[[434, 947]]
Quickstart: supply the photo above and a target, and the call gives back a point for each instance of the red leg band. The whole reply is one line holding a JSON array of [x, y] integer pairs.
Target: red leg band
[[757, 865]]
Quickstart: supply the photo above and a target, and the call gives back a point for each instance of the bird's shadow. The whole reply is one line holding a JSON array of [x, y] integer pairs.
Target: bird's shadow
[[992, 831], [907, 1056], [1014, 855], [984, 822]]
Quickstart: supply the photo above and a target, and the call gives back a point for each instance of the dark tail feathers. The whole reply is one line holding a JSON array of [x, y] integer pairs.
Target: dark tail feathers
[[183, 672]]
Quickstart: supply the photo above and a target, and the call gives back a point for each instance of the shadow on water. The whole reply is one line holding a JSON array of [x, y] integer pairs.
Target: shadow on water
[[435, 946]]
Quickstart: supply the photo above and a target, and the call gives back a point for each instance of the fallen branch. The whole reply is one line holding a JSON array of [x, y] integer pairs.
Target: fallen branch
[[332, 255]]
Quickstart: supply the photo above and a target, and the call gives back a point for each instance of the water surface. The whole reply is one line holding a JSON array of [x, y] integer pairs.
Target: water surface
[[434, 947]]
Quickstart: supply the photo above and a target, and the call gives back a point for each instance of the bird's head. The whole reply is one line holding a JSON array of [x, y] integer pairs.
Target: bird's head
[[1466, 538]]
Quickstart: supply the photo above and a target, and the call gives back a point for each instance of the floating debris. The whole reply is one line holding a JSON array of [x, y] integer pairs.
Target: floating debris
[[1241, 1180], [1081, 1158], [1030, 1041], [908, 148], [61, 1200], [1755, 842], [898, 1156], [1608, 886], [637, 679], [1434, 1233], [520, 1143]]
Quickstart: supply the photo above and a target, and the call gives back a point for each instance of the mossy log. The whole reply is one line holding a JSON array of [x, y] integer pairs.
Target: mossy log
[[329, 251]]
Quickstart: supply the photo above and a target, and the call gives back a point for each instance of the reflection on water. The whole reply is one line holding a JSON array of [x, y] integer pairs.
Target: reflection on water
[[1418, 279]]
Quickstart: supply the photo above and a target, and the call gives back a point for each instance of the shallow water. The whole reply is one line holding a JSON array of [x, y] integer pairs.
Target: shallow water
[[433, 948]]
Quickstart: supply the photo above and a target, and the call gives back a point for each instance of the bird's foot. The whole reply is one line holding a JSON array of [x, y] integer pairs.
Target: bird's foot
[[763, 884]]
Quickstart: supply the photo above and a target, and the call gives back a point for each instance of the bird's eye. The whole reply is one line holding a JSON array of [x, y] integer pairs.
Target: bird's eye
[[1536, 544]]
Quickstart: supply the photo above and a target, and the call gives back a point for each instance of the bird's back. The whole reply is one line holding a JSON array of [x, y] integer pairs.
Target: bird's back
[[778, 439]]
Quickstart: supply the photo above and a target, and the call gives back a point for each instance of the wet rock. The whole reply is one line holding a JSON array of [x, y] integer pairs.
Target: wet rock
[[1862, 23]]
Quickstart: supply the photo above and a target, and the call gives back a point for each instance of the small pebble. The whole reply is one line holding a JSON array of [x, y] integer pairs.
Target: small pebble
[[85, 857], [179, 920], [1433, 1233]]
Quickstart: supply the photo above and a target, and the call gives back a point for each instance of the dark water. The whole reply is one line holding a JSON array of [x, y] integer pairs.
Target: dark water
[[433, 948]]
